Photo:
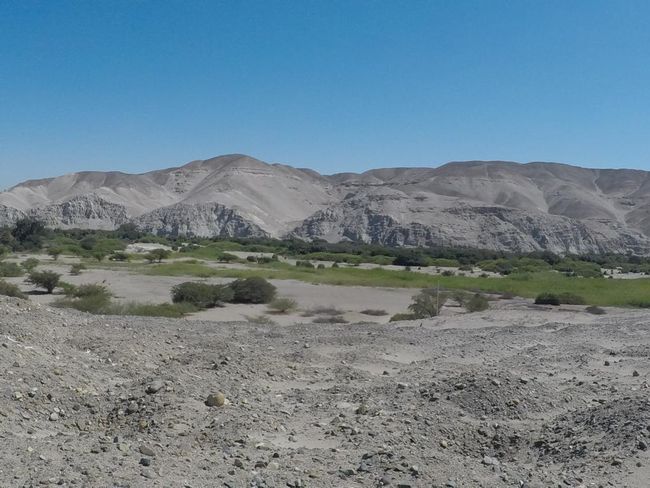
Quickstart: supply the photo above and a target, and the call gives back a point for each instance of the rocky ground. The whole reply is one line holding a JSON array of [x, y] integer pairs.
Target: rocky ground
[[513, 397]]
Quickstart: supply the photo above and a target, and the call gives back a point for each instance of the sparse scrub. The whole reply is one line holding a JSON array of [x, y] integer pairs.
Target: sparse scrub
[[157, 255], [403, 316], [11, 290], [283, 305], [30, 264], [10, 270], [330, 319], [374, 312], [44, 279], [119, 256], [259, 319], [428, 303], [478, 303], [304, 264]]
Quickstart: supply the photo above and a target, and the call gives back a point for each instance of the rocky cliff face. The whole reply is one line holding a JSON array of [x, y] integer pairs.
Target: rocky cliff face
[[201, 220], [495, 205]]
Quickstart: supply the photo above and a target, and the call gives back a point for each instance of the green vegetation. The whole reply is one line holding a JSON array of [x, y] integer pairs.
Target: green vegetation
[[374, 312], [77, 268], [11, 290], [10, 270], [157, 255], [427, 303], [252, 290], [44, 279], [202, 295], [30, 264], [478, 303], [283, 305]]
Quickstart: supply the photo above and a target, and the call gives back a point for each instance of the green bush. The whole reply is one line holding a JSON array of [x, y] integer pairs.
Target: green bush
[[330, 319], [304, 264], [226, 257], [170, 310], [157, 255], [252, 290], [11, 290], [120, 256], [547, 299], [477, 303], [30, 264], [427, 303], [283, 305], [10, 270], [44, 279], [202, 295]]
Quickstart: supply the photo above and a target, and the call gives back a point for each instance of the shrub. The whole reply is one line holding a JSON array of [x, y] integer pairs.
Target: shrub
[[30, 264], [335, 265], [448, 272], [202, 295], [283, 305], [477, 303], [571, 299], [321, 266], [252, 290], [251, 259], [44, 279], [374, 312], [11, 290], [322, 311], [10, 270], [259, 319], [304, 264], [157, 255], [77, 268], [595, 310], [96, 304], [547, 299], [427, 303], [266, 259], [226, 257], [403, 316]]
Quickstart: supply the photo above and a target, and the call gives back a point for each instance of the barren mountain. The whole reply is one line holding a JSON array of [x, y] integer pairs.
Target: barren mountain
[[490, 204]]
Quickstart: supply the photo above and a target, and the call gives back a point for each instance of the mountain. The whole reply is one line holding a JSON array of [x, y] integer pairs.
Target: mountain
[[489, 204]]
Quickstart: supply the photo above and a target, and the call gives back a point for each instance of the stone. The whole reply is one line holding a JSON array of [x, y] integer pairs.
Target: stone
[[155, 387], [147, 451], [216, 400], [145, 461]]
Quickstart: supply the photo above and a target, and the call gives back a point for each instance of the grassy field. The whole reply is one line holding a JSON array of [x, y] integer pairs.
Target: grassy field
[[596, 291]]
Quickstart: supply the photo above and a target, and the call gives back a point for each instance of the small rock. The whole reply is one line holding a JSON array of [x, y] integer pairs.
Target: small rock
[[145, 461], [216, 400], [444, 444], [635, 373], [155, 387], [490, 461], [54, 416], [147, 451]]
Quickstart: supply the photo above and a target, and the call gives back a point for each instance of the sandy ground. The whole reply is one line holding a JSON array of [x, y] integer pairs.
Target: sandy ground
[[517, 396]]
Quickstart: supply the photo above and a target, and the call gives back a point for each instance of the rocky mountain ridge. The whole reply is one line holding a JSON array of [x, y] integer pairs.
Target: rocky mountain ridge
[[495, 205]]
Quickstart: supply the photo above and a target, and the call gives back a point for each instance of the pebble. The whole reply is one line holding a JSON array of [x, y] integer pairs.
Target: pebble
[[54, 416]]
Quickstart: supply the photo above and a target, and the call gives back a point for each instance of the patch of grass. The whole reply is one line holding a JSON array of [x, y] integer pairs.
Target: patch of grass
[[547, 299], [403, 316], [171, 310]]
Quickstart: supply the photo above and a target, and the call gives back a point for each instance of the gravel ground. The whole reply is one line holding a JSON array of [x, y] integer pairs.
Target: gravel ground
[[513, 397]]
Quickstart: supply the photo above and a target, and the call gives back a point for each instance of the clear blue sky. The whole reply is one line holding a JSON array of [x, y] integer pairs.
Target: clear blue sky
[[332, 85]]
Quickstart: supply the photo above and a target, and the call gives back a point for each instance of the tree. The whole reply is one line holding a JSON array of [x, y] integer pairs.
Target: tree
[[28, 233], [157, 255], [44, 279]]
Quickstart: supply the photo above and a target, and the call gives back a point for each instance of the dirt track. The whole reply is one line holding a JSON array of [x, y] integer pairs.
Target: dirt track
[[510, 397]]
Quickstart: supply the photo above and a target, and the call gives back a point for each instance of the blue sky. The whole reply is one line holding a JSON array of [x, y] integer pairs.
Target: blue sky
[[332, 85]]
